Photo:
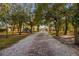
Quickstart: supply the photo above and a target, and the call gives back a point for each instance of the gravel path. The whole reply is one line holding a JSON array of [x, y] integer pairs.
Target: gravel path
[[20, 48], [39, 44]]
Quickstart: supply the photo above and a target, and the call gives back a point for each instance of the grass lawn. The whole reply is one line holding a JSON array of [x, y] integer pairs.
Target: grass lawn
[[7, 42]]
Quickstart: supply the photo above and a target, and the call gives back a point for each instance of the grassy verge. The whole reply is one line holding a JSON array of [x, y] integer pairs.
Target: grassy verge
[[7, 42]]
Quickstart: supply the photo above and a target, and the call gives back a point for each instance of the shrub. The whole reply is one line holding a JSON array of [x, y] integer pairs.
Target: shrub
[[2, 30]]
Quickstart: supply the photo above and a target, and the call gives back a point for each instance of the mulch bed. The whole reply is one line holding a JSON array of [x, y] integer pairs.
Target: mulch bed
[[68, 41], [12, 36]]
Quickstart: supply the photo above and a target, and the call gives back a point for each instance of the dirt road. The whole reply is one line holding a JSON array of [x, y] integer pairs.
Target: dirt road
[[38, 44]]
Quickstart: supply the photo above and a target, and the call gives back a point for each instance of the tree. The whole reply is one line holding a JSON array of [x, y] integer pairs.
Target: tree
[[54, 13], [40, 14], [76, 23], [18, 17], [4, 8]]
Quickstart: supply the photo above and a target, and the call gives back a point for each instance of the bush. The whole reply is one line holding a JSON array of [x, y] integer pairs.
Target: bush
[[27, 30], [2, 30]]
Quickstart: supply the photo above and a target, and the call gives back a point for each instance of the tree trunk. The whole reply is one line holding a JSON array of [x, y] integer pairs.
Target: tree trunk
[[38, 28], [76, 35], [20, 26], [6, 31], [57, 27], [31, 28], [57, 31], [31, 25], [13, 28], [76, 26], [66, 27], [19, 31]]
